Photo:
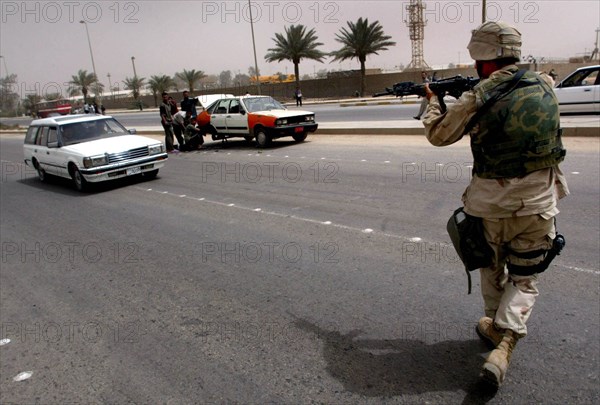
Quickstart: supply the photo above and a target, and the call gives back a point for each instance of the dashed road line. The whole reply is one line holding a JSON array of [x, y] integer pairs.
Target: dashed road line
[[413, 239]]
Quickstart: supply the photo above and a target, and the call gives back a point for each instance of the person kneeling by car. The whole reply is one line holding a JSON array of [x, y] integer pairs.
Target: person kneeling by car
[[192, 136]]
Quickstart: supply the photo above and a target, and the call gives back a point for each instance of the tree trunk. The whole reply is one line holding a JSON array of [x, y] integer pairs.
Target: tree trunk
[[363, 78], [297, 73]]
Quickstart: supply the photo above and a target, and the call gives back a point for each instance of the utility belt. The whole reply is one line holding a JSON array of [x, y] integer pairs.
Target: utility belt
[[466, 233]]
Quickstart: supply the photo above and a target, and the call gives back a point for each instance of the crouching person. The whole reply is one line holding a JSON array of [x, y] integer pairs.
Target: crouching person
[[192, 135]]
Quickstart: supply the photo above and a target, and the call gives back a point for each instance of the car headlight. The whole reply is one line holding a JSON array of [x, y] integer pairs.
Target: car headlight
[[156, 149], [310, 118], [281, 121], [93, 161]]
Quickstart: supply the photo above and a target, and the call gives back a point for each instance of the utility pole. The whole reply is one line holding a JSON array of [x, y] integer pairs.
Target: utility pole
[[254, 47], [133, 63], [483, 10], [98, 93]]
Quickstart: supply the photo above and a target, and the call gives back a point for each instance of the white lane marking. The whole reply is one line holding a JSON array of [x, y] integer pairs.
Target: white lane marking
[[386, 161], [4, 342], [23, 376], [257, 209], [574, 172], [182, 195], [350, 228], [590, 271], [363, 160]]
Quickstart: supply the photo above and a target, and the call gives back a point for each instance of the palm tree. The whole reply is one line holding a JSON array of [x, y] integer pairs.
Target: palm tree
[[295, 45], [82, 82], [158, 84], [135, 84], [190, 77], [360, 40]]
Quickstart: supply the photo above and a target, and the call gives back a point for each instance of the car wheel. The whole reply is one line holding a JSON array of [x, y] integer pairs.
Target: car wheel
[[42, 174], [262, 138], [78, 180], [300, 136], [151, 175]]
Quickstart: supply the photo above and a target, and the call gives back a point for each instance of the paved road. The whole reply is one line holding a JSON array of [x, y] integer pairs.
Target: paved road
[[315, 272]]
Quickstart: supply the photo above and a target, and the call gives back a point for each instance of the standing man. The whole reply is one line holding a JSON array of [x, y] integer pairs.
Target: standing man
[[424, 100], [513, 121], [167, 122], [298, 95], [188, 104]]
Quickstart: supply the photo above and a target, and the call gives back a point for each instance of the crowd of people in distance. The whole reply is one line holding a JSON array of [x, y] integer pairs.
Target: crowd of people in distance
[[180, 123], [90, 108]]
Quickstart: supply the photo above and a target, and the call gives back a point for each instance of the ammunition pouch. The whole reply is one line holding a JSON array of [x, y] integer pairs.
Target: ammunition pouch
[[546, 255], [466, 233]]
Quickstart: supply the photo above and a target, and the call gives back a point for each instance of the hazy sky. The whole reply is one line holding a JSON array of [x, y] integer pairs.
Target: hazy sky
[[44, 43]]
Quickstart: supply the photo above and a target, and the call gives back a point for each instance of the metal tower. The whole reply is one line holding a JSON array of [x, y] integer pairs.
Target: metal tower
[[416, 26]]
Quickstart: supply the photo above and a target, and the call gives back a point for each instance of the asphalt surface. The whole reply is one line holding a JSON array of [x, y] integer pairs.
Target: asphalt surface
[[304, 273]]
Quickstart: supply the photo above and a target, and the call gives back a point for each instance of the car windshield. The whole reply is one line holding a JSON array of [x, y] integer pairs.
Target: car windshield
[[90, 131], [254, 104]]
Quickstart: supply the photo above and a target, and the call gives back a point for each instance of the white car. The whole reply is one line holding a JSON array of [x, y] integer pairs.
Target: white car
[[255, 117], [89, 149], [580, 91]]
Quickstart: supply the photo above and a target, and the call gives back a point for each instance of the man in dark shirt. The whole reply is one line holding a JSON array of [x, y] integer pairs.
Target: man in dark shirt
[[189, 104]]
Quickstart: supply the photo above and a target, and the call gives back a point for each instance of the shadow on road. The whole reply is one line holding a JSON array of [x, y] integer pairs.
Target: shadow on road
[[241, 144], [65, 186], [385, 368]]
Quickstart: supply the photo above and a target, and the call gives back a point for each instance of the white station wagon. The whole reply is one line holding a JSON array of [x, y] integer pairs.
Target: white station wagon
[[90, 148]]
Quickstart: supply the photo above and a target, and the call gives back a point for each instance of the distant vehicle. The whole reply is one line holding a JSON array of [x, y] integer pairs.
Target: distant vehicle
[[53, 108], [255, 117], [89, 149], [579, 92], [274, 79]]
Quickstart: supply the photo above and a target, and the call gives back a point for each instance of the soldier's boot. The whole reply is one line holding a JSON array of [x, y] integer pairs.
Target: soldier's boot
[[487, 331], [494, 369]]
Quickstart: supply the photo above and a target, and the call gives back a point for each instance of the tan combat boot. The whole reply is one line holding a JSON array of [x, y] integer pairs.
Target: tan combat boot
[[487, 330], [494, 369]]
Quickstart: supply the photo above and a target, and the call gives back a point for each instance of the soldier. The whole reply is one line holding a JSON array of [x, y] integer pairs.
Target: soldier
[[513, 121]]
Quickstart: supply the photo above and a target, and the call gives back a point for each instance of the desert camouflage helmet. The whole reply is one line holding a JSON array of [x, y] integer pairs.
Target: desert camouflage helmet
[[495, 40]]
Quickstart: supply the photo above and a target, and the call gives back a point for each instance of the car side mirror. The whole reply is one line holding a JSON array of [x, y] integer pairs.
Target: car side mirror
[[243, 112], [132, 131]]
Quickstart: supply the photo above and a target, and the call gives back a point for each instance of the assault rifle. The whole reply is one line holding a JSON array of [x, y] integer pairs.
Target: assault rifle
[[453, 86]]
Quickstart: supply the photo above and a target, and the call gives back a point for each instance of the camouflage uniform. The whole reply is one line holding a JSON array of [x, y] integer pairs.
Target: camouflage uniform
[[513, 122]]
